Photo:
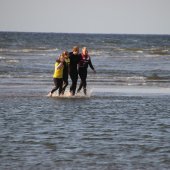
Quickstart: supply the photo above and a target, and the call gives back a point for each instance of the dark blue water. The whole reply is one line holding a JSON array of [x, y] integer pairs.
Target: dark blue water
[[123, 123]]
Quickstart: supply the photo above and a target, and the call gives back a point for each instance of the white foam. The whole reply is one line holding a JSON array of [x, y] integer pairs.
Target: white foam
[[132, 90], [2, 58], [27, 50], [68, 95], [139, 51], [12, 61]]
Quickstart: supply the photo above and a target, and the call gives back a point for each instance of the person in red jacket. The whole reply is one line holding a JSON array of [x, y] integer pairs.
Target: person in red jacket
[[84, 62]]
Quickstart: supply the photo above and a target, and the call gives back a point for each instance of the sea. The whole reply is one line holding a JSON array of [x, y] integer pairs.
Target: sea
[[123, 123]]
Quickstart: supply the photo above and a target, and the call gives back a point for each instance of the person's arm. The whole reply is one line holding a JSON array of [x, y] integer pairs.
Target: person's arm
[[91, 65], [59, 66]]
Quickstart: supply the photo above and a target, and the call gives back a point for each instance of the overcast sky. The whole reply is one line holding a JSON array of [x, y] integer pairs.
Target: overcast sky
[[86, 16]]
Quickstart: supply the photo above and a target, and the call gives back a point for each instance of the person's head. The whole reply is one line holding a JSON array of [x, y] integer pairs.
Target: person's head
[[65, 54], [75, 50], [60, 58], [84, 51]]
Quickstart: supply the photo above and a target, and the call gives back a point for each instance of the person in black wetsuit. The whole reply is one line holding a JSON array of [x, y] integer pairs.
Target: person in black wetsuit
[[74, 57], [82, 69], [66, 70]]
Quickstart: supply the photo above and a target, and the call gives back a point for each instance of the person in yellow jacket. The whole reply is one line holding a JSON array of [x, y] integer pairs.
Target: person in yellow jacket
[[58, 75]]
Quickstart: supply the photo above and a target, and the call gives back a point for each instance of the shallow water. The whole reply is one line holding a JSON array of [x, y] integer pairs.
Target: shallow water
[[116, 132], [123, 123]]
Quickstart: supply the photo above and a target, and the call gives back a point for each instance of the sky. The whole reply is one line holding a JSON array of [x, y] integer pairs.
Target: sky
[[86, 16]]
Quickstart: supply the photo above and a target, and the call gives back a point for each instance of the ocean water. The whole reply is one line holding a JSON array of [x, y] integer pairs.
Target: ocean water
[[123, 122]]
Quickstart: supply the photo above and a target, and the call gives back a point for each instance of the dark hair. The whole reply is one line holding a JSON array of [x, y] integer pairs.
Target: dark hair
[[58, 59], [75, 48], [65, 53]]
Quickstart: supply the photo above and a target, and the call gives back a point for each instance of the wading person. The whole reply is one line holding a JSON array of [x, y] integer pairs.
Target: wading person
[[66, 71], [82, 69], [58, 75], [74, 57]]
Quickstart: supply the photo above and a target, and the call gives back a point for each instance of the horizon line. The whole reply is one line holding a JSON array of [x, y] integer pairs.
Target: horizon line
[[51, 32]]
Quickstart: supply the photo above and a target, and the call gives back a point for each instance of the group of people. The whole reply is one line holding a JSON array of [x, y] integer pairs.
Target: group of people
[[74, 64]]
